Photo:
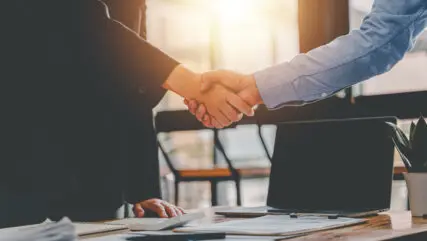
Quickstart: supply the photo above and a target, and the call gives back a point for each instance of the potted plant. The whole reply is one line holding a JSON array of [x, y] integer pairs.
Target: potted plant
[[413, 151]]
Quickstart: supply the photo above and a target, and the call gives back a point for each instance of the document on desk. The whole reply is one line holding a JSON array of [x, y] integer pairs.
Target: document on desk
[[274, 225], [79, 229], [63, 230], [83, 229]]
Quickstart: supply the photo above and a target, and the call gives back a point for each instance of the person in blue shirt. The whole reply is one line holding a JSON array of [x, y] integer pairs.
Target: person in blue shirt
[[386, 34]]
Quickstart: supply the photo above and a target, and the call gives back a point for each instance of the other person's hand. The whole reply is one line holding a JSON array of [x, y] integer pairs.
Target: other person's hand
[[223, 105], [162, 208], [243, 85]]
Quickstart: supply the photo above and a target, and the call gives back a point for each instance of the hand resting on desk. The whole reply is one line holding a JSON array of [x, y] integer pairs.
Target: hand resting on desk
[[157, 207]]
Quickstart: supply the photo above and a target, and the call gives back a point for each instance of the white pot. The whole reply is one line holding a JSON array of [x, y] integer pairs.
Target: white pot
[[417, 193]]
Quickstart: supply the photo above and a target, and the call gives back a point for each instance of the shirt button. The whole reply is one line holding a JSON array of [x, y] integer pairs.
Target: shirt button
[[324, 95]]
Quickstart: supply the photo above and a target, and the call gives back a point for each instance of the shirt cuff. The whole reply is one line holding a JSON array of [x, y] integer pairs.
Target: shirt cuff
[[275, 89]]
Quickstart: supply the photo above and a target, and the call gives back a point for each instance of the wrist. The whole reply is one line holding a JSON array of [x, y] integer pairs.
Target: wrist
[[253, 89], [184, 82]]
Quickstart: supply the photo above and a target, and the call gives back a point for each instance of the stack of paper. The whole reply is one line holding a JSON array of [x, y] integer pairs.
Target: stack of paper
[[49, 228], [63, 230], [277, 225]]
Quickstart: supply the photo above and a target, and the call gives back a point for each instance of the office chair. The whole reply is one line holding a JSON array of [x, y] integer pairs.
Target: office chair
[[176, 121]]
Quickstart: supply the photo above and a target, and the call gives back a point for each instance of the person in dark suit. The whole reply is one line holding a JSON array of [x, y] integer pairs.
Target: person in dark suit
[[77, 89]]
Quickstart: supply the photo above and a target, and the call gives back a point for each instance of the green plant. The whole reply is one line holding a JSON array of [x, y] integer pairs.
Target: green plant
[[413, 150]]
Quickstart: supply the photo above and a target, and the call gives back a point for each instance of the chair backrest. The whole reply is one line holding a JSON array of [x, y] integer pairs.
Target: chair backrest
[[182, 120], [245, 142]]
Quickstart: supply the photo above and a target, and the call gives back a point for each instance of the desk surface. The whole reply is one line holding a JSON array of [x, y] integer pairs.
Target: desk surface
[[386, 226]]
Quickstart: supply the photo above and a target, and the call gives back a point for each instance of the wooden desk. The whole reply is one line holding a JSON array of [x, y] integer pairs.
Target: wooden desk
[[387, 226]]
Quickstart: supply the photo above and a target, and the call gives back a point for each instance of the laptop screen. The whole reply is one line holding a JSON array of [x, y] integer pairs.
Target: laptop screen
[[332, 165]]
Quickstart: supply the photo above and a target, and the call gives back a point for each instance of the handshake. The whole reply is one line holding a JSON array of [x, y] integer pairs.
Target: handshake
[[224, 97], [217, 98]]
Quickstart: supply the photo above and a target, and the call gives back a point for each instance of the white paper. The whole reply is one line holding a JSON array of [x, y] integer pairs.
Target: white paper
[[65, 225], [274, 225], [63, 230], [92, 228]]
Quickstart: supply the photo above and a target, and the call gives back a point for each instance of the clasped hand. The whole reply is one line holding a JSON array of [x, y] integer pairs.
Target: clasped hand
[[226, 96]]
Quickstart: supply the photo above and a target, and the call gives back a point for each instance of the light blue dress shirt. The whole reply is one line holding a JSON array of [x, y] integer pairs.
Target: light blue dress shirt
[[384, 37]]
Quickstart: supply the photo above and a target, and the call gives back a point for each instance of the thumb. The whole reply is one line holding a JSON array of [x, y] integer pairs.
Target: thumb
[[138, 210], [206, 82]]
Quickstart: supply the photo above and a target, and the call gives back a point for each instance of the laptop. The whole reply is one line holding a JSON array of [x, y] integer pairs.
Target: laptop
[[337, 167]]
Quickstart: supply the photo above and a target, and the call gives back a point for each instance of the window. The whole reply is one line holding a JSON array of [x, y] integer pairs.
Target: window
[[407, 76], [241, 35]]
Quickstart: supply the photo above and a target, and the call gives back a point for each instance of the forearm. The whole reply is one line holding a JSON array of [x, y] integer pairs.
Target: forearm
[[385, 36], [184, 82]]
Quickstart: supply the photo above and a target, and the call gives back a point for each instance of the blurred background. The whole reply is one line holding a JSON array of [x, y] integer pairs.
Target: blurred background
[[249, 35]]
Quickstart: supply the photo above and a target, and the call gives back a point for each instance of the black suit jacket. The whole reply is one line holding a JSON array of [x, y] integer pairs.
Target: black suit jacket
[[77, 91]]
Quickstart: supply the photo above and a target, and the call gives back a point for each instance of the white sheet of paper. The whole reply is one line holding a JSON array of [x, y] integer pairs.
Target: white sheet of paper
[[79, 228], [91, 228], [63, 230], [274, 225]]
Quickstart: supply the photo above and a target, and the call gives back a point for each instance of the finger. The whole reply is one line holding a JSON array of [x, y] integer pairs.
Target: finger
[[156, 207], [178, 211], [239, 117], [138, 210], [216, 124], [239, 104], [182, 210], [230, 113], [207, 121], [201, 112], [220, 117], [192, 106], [170, 210], [187, 103]]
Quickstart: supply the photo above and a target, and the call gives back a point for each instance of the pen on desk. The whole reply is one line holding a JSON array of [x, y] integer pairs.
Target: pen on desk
[[329, 216], [179, 237]]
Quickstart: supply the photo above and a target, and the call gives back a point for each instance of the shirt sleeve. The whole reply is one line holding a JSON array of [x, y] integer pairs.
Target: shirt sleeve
[[385, 35]]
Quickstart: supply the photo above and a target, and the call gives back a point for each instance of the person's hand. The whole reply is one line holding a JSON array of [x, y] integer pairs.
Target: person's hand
[[223, 106], [199, 111], [244, 85], [162, 208]]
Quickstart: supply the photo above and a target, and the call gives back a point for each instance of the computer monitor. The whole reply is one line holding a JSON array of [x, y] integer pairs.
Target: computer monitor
[[332, 165]]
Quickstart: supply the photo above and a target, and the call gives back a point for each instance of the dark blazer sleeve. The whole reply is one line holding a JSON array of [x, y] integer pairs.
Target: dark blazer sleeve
[[129, 13], [143, 180], [130, 60]]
